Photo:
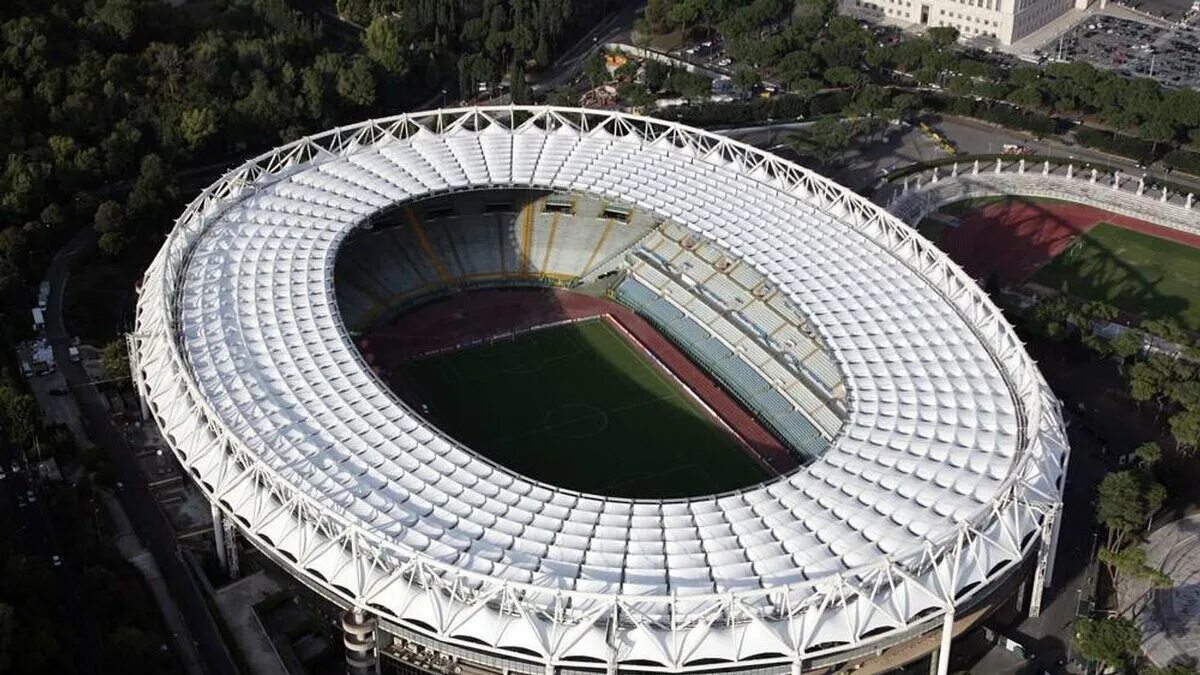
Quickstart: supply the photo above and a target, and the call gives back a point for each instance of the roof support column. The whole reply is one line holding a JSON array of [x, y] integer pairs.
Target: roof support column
[[798, 666], [943, 653], [1043, 572], [549, 669], [361, 643], [232, 566], [219, 537], [135, 372]]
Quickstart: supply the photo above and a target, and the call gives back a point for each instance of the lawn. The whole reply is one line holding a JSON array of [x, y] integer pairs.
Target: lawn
[[580, 407], [1135, 272]]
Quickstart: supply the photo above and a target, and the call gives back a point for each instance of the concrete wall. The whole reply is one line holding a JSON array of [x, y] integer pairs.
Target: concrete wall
[[914, 197]]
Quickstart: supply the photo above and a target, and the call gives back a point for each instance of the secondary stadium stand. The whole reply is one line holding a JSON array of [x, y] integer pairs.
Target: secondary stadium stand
[[497, 237]]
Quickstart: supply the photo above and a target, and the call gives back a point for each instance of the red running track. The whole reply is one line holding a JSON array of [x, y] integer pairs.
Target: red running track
[[1014, 238], [480, 314]]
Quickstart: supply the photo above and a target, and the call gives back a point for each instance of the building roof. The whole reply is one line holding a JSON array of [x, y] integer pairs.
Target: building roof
[[951, 457]]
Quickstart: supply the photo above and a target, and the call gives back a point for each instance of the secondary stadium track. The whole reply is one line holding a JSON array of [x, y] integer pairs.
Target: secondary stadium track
[[478, 315], [1014, 238]]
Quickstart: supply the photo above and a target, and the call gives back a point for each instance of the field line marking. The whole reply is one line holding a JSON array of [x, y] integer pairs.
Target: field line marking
[[738, 438]]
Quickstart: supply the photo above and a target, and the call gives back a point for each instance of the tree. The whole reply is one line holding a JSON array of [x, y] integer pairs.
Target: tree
[[122, 16], [1149, 453], [942, 36], [1185, 428], [518, 89], [1157, 130], [197, 125], [1131, 562], [19, 412], [746, 79], [654, 74], [385, 43], [843, 75], [109, 223], [830, 137], [356, 82], [634, 94], [596, 68], [1127, 345], [1125, 502], [114, 360], [1111, 641]]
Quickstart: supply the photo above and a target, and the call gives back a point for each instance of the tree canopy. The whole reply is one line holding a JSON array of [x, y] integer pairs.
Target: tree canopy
[[1111, 641]]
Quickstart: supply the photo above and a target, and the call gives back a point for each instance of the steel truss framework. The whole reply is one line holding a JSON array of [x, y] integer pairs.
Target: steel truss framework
[[811, 615]]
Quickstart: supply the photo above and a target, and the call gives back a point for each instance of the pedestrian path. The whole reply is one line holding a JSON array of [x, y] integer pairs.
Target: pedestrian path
[[1169, 618]]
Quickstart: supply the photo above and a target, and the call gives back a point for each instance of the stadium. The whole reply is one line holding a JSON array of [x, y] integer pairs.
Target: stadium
[[550, 390]]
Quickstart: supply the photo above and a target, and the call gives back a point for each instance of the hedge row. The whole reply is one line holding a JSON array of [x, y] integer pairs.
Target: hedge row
[[997, 113], [1137, 149], [759, 110], [1183, 160]]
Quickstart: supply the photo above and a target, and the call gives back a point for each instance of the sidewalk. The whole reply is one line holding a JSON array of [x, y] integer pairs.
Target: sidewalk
[[236, 604], [131, 549], [1042, 37], [1168, 617]]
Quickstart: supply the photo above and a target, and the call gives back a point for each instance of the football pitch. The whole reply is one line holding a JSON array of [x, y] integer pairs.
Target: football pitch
[[1134, 272], [580, 407]]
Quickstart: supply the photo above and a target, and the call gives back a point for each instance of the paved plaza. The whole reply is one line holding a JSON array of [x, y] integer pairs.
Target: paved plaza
[[1170, 617]]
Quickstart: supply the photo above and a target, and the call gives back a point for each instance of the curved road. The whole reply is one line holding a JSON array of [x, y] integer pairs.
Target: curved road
[[148, 519]]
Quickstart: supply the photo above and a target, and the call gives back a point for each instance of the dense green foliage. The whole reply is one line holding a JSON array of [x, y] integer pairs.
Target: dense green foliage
[[473, 42], [1118, 144], [804, 46], [1184, 160], [105, 99], [1112, 641], [998, 113]]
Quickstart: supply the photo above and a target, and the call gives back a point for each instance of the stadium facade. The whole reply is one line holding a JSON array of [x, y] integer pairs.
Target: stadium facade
[[938, 478]]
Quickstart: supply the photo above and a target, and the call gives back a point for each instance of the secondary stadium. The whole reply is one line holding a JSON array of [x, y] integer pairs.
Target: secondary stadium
[[537, 389]]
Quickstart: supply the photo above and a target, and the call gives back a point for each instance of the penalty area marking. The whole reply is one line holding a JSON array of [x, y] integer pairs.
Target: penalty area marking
[[575, 420]]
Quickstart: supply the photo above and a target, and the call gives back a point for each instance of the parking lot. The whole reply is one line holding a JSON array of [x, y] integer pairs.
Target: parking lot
[[1135, 49]]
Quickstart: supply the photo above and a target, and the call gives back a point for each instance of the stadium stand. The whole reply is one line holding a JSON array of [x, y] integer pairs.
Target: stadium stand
[[715, 309], [506, 237]]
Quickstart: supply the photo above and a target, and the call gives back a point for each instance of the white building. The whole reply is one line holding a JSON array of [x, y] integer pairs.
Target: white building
[[1004, 21]]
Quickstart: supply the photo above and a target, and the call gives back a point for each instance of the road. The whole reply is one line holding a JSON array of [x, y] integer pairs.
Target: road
[[615, 28], [41, 540], [975, 137], [148, 519]]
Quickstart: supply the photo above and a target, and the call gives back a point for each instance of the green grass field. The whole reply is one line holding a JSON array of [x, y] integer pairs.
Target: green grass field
[[1134, 272], [579, 407]]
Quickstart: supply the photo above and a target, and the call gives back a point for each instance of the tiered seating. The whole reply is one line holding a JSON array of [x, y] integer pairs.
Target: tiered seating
[[921, 456], [738, 307], [711, 346], [417, 251]]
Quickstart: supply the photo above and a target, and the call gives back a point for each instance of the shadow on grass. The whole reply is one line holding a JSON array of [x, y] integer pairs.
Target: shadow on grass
[[1040, 242]]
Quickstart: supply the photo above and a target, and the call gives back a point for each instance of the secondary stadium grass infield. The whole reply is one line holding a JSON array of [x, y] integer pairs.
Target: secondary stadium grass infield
[[1134, 272], [580, 407]]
